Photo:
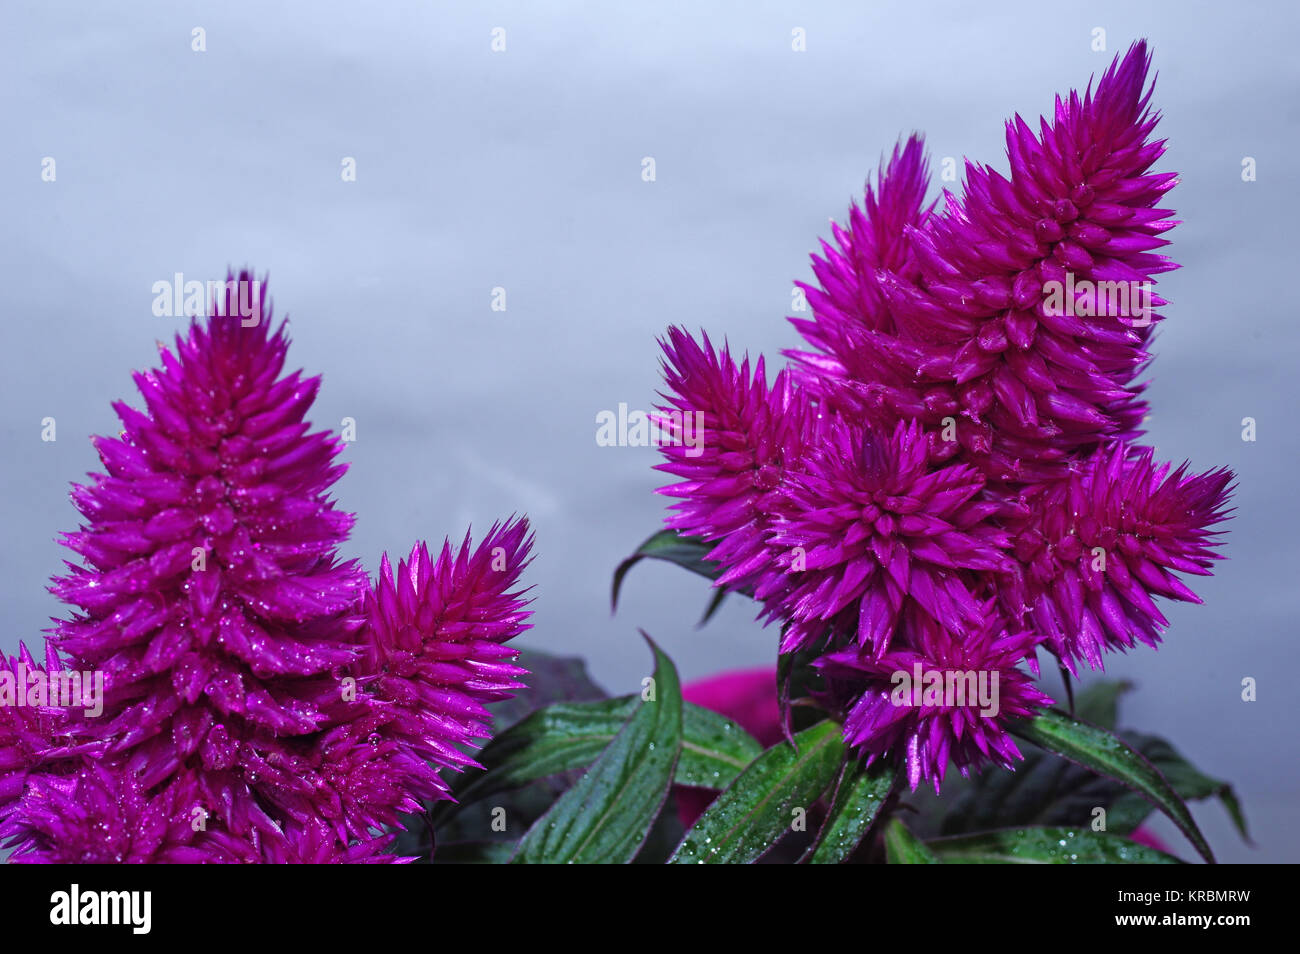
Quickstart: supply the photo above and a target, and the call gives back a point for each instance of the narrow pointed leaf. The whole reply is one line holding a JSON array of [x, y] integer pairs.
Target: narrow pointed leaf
[[715, 750], [784, 678], [606, 816], [568, 736], [714, 603], [759, 806], [1047, 846], [687, 552], [1107, 754], [854, 809], [1187, 780], [1047, 790], [904, 848], [557, 738]]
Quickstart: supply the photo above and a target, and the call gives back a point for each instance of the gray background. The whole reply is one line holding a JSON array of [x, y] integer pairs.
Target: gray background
[[522, 169]]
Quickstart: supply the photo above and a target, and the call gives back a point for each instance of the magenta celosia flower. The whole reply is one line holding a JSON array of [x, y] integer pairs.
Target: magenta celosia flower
[[1103, 542], [28, 732], [867, 526], [947, 695], [313, 843], [99, 814], [436, 644], [956, 298], [260, 701], [861, 364], [751, 434], [948, 477]]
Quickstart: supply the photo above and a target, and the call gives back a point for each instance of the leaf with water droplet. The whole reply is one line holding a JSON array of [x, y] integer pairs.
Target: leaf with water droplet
[[1187, 780], [756, 809], [1043, 846], [1109, 755], [607, 815], [568, 736], [854, 808], [904, 848]]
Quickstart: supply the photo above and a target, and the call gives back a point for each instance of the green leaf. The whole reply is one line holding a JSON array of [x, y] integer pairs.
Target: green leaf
[[606, 816], [1109, 755], [551, 679], [1043, 789], [854, 808], [759, 806], [785, 667], [568, 736], [689, 552], [555, 739], [718, 596], [904, 848], [1189, 782], [714, 749], [796, 678], [1046, 846]]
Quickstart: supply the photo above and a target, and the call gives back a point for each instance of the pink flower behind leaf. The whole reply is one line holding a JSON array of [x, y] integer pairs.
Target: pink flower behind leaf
[[1144, 837], [746, 696]]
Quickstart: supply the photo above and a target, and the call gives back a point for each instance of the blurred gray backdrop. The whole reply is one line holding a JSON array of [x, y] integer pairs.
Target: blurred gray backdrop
[[521, 169]]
